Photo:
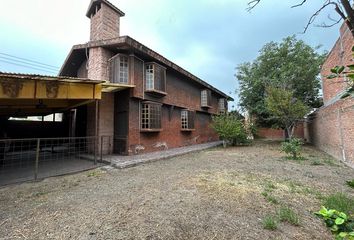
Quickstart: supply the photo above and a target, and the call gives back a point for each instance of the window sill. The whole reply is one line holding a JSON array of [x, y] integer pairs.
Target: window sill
[[206, 106], [151, 130], [156, 93], [187, 130]]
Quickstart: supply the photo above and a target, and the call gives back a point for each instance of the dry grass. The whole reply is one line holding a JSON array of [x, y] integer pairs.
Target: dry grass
[[214, 194]]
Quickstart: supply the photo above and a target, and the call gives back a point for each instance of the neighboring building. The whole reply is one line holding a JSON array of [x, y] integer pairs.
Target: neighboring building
[[164, 106], [331, 128]]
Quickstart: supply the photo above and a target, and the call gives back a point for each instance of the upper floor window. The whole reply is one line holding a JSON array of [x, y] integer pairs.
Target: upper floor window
[[155, 78], [187, 119], [205, 98], [150, 116], [222, 105], [119, 69]]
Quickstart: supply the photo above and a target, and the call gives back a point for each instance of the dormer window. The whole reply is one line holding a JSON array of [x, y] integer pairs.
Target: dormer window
[[155, 79], [119, 69], [205, 98], [222, 105]]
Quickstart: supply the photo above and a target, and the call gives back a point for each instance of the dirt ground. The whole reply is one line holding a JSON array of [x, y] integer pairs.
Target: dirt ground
[[213, 194]]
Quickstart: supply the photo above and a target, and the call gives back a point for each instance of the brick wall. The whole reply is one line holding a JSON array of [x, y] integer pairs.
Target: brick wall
[[332, 130], [104, 24], [279, 134], [339, 55], [171, 136]]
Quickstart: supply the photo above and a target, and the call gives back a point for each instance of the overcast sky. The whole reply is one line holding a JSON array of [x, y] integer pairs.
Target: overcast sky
[[209, 38]]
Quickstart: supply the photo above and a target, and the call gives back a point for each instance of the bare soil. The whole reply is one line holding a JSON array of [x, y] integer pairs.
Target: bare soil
[[213, 194]]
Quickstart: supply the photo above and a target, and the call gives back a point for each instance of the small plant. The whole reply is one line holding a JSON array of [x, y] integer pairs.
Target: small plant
[[351, 183], [270, 223], [339, 201], [288, 215], [272, 199], [316, 162], [340, 223], [292, 148]]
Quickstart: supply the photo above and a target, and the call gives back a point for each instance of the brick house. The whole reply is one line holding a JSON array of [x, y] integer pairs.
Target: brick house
[[163, 106], [331, 127]]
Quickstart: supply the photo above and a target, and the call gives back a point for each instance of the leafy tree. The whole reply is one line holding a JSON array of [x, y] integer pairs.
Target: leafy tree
[[344, 8], [285, 109], [290, 64]]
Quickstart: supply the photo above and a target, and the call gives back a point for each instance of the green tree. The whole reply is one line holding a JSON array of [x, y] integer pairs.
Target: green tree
[[291, 65], [285, 109]]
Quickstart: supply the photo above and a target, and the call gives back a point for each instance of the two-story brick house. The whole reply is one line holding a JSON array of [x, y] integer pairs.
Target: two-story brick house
[[163, 105]]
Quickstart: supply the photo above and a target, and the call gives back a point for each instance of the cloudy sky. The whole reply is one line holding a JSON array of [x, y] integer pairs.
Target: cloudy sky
[[209, 38]]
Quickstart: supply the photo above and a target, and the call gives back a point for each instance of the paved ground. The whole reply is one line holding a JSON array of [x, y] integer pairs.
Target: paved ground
[[119, 161], [212, 194]]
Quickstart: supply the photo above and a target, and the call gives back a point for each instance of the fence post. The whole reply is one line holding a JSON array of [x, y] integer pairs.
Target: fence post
[[101, 151], [37, 160], [95, 150]]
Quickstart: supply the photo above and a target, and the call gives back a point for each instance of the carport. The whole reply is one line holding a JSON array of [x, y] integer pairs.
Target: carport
[[37, 149]]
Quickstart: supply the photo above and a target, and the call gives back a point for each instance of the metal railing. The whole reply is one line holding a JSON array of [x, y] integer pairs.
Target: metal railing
[[37, 158]]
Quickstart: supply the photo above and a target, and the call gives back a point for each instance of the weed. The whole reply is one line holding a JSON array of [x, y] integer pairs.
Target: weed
[[265, 194], [286, 214], [339, 201], [316, 162], [94, 174], [270, 223], [351, 183], [272, 199]]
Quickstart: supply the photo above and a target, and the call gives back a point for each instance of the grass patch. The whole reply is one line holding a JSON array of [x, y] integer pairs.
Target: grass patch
[[316, 162], [351, 183], [272, 199], [270, 223], [340, 202], [288, 215]]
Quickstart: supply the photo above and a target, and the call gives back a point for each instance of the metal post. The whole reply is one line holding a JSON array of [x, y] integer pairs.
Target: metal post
[[37, 160], [96, 132], [101, 150]]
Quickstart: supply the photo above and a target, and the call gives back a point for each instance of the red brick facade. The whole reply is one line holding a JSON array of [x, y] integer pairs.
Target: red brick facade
[[119, 113], [331, 128]]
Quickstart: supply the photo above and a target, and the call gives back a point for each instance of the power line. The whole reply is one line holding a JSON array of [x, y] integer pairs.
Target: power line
[[21, 65], [26, 63], [28, 60]]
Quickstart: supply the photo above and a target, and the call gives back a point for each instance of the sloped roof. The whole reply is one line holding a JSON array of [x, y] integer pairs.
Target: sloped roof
[[95, 3], [79, 52]]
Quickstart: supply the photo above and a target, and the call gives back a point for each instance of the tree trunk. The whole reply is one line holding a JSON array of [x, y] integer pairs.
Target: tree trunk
[[350, 15]]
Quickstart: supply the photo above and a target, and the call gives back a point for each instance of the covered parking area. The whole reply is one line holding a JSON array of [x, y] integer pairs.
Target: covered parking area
[[43, 126]]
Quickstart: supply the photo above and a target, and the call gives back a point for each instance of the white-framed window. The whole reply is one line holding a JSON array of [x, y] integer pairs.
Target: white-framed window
[[149, 77], [187, 119], [155, 77], [205, 98], [222, 105], [119, 69], [150, 116]]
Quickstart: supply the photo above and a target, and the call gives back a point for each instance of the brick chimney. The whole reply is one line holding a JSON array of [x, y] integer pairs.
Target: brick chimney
[[105, 18]]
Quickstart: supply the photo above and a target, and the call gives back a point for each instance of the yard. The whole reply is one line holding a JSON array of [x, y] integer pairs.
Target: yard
[[213, 194]]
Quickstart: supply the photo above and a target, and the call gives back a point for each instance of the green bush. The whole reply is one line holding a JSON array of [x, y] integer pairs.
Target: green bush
[[230, 129], [292, 148]]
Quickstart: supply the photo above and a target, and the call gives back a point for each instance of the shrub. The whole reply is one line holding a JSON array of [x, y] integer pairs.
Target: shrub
[[270, 223], [292, 148], [340, 223], [230, 129]]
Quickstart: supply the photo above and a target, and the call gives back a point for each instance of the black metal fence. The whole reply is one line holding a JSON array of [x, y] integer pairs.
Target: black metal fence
[[37, 158]]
